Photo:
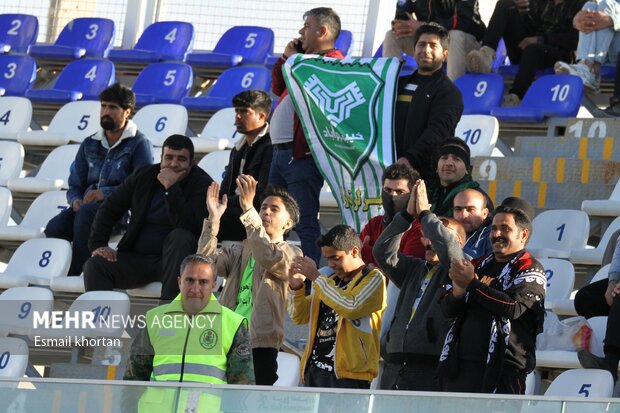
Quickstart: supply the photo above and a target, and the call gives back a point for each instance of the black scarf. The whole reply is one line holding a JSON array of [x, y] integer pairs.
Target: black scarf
[[512, 274]]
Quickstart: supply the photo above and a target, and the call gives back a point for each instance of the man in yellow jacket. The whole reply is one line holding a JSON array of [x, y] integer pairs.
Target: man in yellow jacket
[[191, 339], [344, 311]]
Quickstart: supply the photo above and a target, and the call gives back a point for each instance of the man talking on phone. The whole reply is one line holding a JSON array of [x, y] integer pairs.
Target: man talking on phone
[[292, 166]]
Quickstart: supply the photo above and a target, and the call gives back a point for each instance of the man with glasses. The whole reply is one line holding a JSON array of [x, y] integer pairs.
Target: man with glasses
[[102, 162]]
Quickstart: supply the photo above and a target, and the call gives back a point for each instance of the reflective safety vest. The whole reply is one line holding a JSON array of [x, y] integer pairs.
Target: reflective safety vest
[[188, 349]]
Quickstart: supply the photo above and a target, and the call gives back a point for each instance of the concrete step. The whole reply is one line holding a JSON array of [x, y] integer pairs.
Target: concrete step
[[544, 195], [606, 148], [550, 170]]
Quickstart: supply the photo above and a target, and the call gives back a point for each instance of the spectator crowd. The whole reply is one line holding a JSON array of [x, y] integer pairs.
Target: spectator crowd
[[440, 289]]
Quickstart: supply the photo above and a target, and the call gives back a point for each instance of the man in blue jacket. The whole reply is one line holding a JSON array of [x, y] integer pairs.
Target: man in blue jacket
[[102, 162]]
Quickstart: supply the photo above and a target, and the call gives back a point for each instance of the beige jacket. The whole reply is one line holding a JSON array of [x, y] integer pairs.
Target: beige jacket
[[269, 281]]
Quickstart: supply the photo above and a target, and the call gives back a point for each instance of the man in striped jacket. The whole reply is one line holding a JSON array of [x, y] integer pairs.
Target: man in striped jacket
[[344, 311]]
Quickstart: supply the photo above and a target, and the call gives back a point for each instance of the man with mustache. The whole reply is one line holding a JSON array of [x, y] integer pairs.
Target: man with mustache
[[497, 302], [102, 162], [167, 208], [256, 271], [250, 156], [453, 173], [415, 337], [428, 105]]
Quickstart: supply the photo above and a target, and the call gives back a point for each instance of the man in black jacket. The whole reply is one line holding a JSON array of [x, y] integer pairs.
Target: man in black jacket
[[415, 338], [498, 305], [250, 156], [428, 105], [167, 203]]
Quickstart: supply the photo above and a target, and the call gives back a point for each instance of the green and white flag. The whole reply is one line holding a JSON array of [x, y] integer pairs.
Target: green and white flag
[[346, 109]]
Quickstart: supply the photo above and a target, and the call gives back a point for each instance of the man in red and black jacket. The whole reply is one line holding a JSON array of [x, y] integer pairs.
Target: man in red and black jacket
[[293, 166]]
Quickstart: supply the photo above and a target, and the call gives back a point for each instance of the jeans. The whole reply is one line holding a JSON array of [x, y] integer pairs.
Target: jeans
[[302, 179], [74, 226], [595, 46]]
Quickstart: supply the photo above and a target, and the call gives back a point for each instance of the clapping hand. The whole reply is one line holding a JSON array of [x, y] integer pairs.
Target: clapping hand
[[215, 207], [247, 191]]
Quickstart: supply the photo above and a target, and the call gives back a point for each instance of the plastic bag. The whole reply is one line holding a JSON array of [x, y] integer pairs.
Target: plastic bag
[[570, 334]]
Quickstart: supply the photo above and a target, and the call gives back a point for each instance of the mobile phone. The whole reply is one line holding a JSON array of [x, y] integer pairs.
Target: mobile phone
[[401, 15], [297, 45]]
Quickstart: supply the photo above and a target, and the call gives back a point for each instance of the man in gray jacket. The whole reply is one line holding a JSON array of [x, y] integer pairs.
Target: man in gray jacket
[[413, 343]]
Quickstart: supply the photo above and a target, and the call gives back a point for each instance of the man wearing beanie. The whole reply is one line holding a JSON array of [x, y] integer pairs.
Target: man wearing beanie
[[453, 171]]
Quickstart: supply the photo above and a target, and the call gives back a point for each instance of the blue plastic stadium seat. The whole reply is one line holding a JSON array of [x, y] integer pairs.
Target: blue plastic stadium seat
[[17, 32], [551, 95], [79, 80], [248, 45], [409, 65], [163, 83], [608, 72], [500, 55], [160, 41], [17, 74], [82, 37], [481, 93], [511, 71], [344, 43], [230, 83]]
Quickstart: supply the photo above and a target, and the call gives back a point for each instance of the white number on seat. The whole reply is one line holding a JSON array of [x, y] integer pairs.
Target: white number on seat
[[93, 31], [172, 36], [598, 129], [560, 93], [481, 87], [170, 77], [11, 72], [250, 41], [246, 81], [15, 25], [91, 74]]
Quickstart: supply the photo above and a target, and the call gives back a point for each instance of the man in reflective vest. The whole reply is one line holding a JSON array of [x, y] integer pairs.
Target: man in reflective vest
[[191, 339]]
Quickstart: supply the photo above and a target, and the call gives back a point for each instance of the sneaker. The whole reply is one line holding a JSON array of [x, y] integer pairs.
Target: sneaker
[[590, 80], [481, 60], [511, 100], [590, 361]]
